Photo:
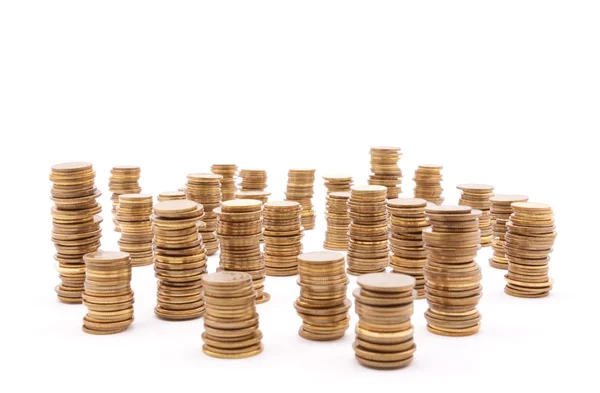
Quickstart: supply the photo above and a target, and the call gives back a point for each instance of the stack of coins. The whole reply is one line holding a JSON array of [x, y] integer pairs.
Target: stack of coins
[[452, 276], [239, 228], [300, 189], [338, 221], [133, 216], [477, 196], [322, 304], [108, 295], [408, 254], [228, 182], [283, 237], [501, 211], [385, 169], [529, 237], [262, 196], [384, 332], [171, 196], [253, 179], [368, 250], [205, 188], [76, 226], [338, 183], [179, 259], [428, 180], [231, 321], [123, 180]]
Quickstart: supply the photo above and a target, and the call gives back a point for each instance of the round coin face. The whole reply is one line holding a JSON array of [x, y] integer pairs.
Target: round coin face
[[407, 202], [176, 206], [448, 209], [386, 282], [477, 187], [72, 166], [106, 256], [227, 278], [508, 198], [320, 257]]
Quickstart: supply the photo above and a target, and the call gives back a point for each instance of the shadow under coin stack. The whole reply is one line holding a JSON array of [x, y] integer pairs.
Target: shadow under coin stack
[[322, 304], [338, 183], [108, 295], [231, 321], [501, 211], [385, 169], [123, 180], [283, 237], [76, 225], [253, 179], [338, 221], [171, 196], [428, 186], [300, 188], [368, 250], [408, 254], [179, 259], [239, 229], [205, 189], [452, 287], [477, 196], [384, 332], [133, 217], [228, 182], [529, 239]]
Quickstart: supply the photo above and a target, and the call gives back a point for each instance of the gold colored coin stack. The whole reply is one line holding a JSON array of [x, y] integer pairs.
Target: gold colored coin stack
[[452, 276], [368, 250], [108, 295], [529, 238], [239, 228], [322, 304], [501, 212], [338, 221], [428, 180], [338, 183], [300, 188], [179, 259], [385, 169], [76, 226], [407, 222], [231, 321], [477, 196], [205, 189], [384, 332], [262, 196], [171, 196], [133, 217], [253, 180], [283, 237], [123, 180], [228, 182]]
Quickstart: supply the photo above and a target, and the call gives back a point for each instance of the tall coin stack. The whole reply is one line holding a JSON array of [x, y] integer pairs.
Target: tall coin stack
[[338, 183], [228, 182], [384, 332], [76, 225], [171, 196], [452, 276], [239, 229], [322, 304], [368, 250], [385, 169], [133, 217], [477, 196], [253, 179], [408, 254], [428, 180], [108, 295], [529, 239], [338, 221], [179, 259], [205, 189], [300, 188], [231, 321], [123, 180], [283, 237], [501, 212]]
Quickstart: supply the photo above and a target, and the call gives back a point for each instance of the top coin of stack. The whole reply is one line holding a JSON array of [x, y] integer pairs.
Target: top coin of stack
[[228, 182], [262, 196], [478, 197], [171, 196], [283, 237], [338, 221], [385, 169], [133, 216], [501, 212], [338, 183], [205, 188], [253, 179], [123, 180], [427, 183], [300, 189]]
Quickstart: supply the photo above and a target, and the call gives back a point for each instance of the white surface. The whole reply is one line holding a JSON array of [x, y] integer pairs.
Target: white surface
[[502, 93]]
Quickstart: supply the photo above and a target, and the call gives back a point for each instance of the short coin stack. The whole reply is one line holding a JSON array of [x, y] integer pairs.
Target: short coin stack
[[407, 222], [385, 169], [205, 188], [108, 295], [338, 183], [338, 221], [76, 225], [133, 217], [231, 321], [428, 180], [452, 276], [171, 196], [179, 259], [368, 250], [262, 196], [283, 237], [322, 304], [501, 212], [300, 188], [123, 180], [529, 240], [478, 197], [228, 182], [384, 332], [253, 179]]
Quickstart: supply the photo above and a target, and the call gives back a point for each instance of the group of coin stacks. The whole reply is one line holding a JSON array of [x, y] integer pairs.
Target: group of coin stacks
[[428, 179], [338, 183], [239, 229], [283, 237], [180, 259], [76, 225], [133, 217], [108, 295], [338, 221], [300, 188], [171, 196], [231, 321], [368, 250], [205, 189], [529, 240], [477, 196], [408, 254], [385, 169], [253, 179], [452, 287], [322, 304], [228, 182], [384, 332], [501, 211], [123, 180]]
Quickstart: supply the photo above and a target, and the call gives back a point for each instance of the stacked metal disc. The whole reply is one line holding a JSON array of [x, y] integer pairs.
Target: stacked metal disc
[[205, 188], [477, 196], [338, 183], [171, 196], [428, 180], [338, 221], [253, 179], [229, 180], [300, 188], [501, 211], [283, 237], [385, 170], [262, 196], [133, 216], [124, 179]]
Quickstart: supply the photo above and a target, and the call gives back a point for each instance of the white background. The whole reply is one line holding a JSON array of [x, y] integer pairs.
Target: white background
[[497, 92]]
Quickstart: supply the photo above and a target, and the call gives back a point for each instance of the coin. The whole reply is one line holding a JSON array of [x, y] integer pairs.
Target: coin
[[300, 189]]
